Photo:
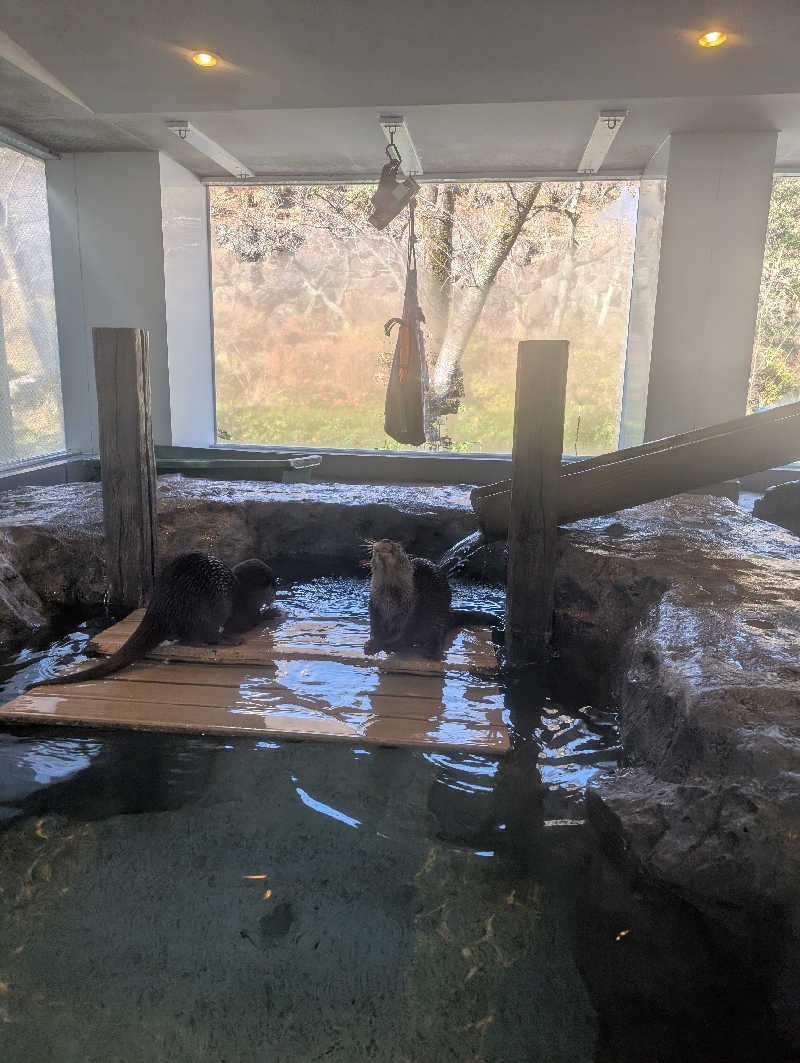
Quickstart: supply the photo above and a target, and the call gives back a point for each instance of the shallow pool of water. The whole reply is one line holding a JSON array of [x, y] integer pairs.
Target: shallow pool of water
[[165, 897]]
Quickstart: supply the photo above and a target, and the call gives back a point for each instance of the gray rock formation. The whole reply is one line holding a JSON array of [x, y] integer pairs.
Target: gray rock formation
[[781, 505], [51, 538], [708, 690]]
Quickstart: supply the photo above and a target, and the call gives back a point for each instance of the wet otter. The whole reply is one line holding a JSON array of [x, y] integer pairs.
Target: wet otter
[[195, 598], [410, 603]]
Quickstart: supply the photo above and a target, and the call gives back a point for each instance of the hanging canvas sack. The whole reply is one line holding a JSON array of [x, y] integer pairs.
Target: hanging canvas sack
[[405, 396]]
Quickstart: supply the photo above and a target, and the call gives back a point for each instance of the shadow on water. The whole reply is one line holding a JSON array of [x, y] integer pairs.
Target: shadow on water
[[298, 902]]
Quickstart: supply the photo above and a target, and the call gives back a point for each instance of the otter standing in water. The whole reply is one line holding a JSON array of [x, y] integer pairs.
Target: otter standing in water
[[195, 597], [410, 603]]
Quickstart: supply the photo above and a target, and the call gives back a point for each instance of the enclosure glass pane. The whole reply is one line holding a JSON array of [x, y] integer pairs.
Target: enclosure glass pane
[[303, 284], [644, 287], [31, 415], [775, 375]]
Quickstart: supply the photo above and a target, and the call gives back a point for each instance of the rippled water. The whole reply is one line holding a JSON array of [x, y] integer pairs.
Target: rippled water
[[165, 897]]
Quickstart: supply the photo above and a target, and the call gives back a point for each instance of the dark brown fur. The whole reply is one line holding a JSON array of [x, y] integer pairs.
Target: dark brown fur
[[410, 603], [198, 600]]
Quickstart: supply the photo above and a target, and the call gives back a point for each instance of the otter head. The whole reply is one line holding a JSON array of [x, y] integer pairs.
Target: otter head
[[388, 556], [392, 571], [257, 578]]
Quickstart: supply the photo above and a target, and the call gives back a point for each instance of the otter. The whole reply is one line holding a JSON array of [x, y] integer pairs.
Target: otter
[[198, 600], [410, 603]]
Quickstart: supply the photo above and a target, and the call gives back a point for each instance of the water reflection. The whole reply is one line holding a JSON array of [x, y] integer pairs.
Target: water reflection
[[50, 652], [49, 760], [326, 810]]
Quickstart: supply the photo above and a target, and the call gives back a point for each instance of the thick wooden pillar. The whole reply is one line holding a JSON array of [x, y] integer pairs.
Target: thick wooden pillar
[[127, 462], [535, 471]]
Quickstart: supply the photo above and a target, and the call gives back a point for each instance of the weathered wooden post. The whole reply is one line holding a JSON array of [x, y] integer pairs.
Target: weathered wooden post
[[127, 462], [535, 471]]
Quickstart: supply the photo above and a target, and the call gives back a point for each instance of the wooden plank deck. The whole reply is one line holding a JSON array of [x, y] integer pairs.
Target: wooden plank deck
[[299, 679], [372, 708], [331, 639]]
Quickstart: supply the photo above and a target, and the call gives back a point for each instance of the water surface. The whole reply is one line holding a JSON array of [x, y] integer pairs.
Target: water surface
[[187, 898]]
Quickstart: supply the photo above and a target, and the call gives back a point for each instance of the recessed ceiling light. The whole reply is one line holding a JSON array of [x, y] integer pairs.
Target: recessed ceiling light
[[712, 39], [204, 59]]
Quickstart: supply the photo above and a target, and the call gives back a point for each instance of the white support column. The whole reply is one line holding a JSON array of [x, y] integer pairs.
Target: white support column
[[712, 251], [108, 270], [647, 248], [184, 211]]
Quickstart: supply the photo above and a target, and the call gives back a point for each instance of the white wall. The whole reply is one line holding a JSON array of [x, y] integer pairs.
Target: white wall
[[712, 252], [108, 265], [187, 279]]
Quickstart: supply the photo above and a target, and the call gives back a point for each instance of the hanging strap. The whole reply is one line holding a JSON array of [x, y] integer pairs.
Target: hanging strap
[[403, 348], [411, 259]]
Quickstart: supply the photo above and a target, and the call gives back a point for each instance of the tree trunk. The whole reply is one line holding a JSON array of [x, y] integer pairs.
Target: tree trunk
[[437, 262], [605, 305], [566, 281], [444, 380]]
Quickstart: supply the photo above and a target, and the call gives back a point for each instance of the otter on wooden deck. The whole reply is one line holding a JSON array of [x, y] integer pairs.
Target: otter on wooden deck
[[339, 639], [300, 679]]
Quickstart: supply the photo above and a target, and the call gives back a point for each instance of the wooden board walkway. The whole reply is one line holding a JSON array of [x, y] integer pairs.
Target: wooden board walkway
[[314, 688]]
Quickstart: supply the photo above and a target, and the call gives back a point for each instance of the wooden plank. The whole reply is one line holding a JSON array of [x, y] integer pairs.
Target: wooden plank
[[440, 733], [284, 702], [254, 465], [277, 698], [336, 639], [536, 462], [165, 697], [301, 676], [127, 462], [98, 712], [659, 469]]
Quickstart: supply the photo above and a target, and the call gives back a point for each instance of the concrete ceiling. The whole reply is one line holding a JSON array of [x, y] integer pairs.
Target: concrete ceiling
[[486, 86]]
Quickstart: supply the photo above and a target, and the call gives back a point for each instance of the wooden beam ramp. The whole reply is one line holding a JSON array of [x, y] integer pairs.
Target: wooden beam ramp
[[660, 469], [299, 679]]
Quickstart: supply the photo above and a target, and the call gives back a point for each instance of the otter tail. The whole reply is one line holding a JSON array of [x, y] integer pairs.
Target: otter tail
[[474, 618], [145, 638]]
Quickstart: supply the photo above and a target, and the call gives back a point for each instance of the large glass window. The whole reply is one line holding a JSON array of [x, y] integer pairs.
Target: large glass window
[[31, 416], [302, 286], [775, 376]]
